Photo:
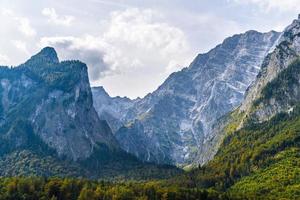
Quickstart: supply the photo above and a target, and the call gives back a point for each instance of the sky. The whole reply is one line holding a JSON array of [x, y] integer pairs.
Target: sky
[[131, 46]]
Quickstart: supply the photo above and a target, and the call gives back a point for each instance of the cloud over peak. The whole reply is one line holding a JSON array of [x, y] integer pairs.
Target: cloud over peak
[[136, 42], [132, 46]]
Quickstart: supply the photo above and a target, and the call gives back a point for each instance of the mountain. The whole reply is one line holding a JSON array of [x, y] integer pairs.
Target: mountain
[[174, 123], [54, 100], [49, 126], [251, 151], [111, 109], [268, 104], [259, 156]]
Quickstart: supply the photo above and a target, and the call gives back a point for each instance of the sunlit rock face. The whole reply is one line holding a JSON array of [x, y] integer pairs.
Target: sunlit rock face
[[172, 124]]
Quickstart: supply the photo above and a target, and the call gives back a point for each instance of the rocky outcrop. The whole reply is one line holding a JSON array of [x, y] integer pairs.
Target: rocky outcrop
[[53, 100]]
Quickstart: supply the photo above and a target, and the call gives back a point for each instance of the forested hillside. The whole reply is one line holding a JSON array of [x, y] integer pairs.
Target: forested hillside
[[260, 160]]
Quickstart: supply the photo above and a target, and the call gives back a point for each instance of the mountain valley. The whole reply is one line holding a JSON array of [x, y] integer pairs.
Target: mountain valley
[[225, 127]]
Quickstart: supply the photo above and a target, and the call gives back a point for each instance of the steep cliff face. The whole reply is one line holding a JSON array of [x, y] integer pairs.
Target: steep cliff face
[[259, 103], [53, 99], [172, 124], [275, 90]]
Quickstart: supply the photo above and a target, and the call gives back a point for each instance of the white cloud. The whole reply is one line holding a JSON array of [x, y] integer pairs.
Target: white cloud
[[268, 5], [135, 43], [147, 38], [53, 17], [21, 45], [25, 27], [3, 59], [23, 23], [206, 30]]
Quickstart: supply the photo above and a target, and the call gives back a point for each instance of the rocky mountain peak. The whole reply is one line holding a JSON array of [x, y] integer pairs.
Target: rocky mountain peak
[[174, 122], [46, 55], [54, 99]]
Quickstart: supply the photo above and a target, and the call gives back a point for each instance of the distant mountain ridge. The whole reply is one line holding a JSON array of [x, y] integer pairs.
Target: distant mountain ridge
[[174, 123], [111, 109]]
